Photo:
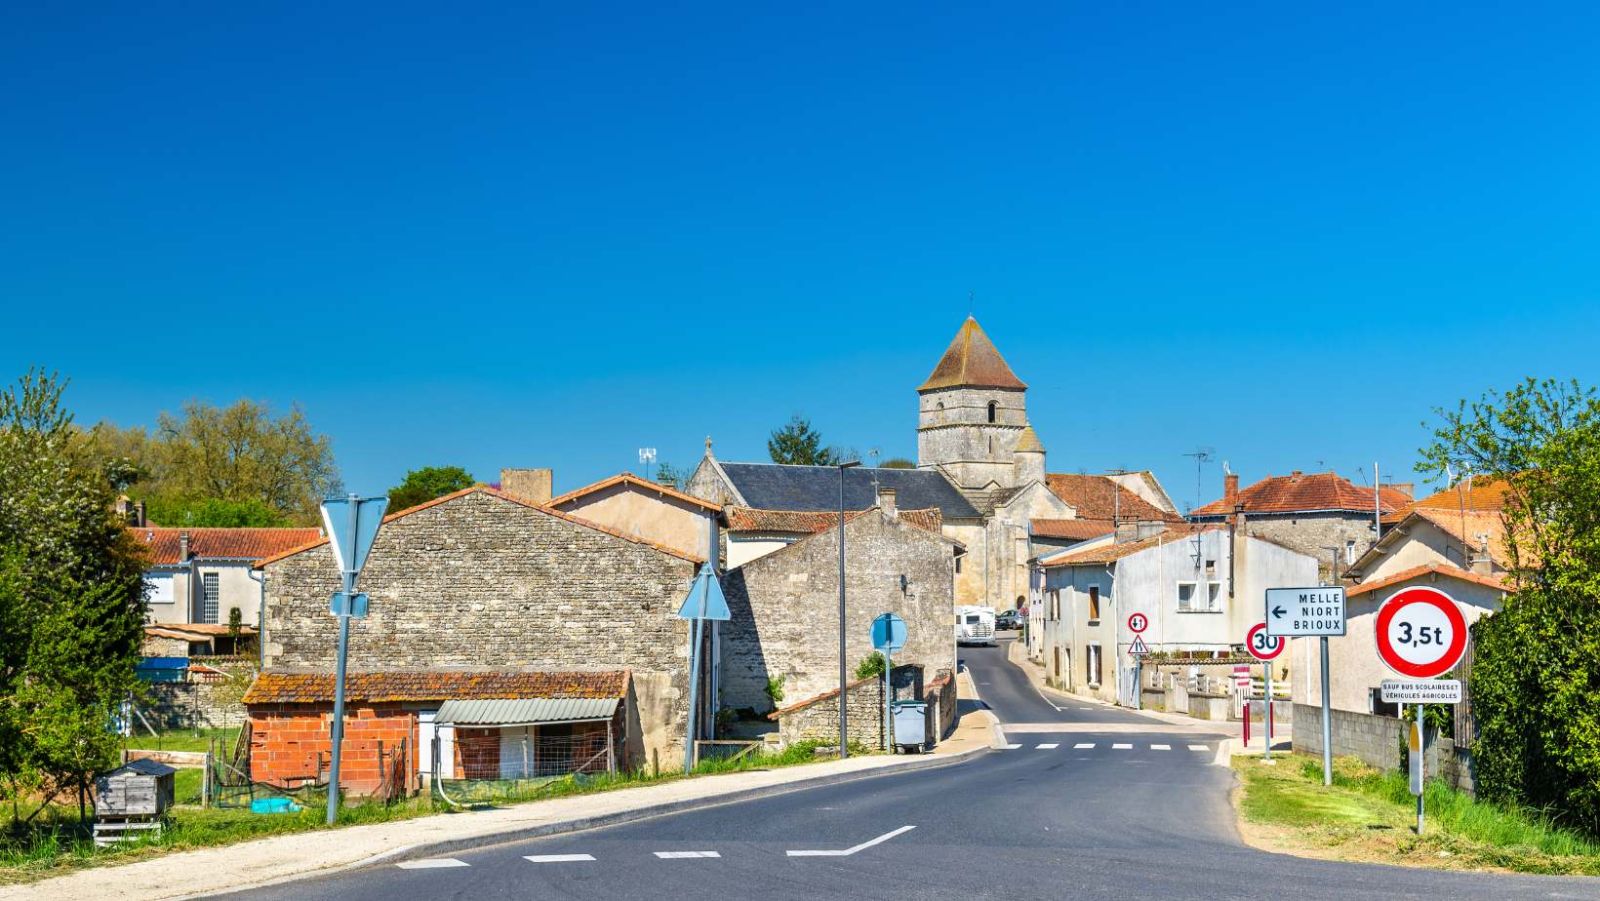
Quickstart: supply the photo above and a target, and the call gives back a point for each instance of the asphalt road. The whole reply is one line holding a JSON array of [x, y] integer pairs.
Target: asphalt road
[[1125, 813]]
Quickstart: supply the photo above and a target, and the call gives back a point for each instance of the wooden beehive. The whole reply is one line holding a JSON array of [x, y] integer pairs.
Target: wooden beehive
[[138, 788]]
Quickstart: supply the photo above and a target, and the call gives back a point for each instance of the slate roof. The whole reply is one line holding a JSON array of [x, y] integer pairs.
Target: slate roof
[[972, 360], [161, 544], [774, 486], [1097, 497], [279, 687], [747, 519], [1305, 493]]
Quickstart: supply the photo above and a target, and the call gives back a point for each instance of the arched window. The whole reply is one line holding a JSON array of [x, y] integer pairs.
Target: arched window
[[993, 408]]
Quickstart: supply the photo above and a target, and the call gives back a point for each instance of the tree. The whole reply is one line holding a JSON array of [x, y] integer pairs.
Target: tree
[[423, 485], [1537, 661], [671, 476], [71, 600], [798, 443], [898, 463], [212, 512]]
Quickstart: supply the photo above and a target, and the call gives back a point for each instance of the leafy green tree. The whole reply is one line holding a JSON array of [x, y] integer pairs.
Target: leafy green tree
[[898, 463], [871, 665], [671, 476], [213, 512], [423, 485], [798, 443], [71, 600], [1536, 665]]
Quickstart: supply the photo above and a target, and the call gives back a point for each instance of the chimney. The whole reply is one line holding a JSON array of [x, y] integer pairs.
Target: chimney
[[1295, 475], [532, 485], [1238, 516], [886, 497], [139, 515], [1230, 488], [183, 547], [1409, 489], [1481, 563]]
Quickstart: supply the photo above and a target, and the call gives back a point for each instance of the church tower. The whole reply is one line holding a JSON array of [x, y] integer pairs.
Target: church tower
[[973, 417]]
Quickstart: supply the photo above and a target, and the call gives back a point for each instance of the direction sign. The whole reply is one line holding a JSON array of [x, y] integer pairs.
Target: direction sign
[[1430, 691], [1305, 611], [888, 633], [1261, 645], [1138, 648], [1420, 632], [1138, 622]]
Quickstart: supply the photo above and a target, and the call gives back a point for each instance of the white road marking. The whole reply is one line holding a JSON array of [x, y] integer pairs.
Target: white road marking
[[432, 863], [558, 858], [849, 851], [686, 855], [1012, 747], [1198, 748], [1161, 747], [1121, 747], [1048, 746], [1081, 745]]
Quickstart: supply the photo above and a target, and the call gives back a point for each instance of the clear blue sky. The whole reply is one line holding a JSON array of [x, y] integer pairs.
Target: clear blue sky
[[549, 235]]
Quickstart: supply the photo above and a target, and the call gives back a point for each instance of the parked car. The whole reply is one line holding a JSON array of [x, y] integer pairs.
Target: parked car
[[1010, 619]]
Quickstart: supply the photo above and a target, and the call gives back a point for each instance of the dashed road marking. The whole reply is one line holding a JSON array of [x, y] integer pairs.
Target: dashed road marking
[[1083, 744], [849, 851], [558, 858], [1161, 747], [1198, 748], [686, 855], [1048, 746], [1119, 746], [432, 863]]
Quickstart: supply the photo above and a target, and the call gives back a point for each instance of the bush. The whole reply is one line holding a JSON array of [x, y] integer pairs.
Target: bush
[[871, 666]]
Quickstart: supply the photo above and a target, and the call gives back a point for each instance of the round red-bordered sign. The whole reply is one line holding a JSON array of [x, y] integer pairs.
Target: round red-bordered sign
[[1260, 644], [1421, 632], [1138, 622]]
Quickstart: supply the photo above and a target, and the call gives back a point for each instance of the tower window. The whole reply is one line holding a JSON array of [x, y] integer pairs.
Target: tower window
[[993, 407]]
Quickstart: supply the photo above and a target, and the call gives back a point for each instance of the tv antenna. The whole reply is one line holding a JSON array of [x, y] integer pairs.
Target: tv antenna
[[647, 456], [875, 453], [1201, 456]]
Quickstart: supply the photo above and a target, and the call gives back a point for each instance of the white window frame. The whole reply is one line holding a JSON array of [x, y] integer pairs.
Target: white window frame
[[1212, 598]]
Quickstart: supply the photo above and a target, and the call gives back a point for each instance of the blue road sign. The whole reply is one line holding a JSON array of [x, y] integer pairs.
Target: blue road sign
[[705, 600], [352, 536], [888, 633], [342, 604]]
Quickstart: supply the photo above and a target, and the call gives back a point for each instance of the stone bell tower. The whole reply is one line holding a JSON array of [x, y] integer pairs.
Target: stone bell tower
[[973, 415]]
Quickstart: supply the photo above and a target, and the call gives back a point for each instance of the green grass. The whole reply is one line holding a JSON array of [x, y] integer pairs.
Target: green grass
[[1370, 815], [184, 739]]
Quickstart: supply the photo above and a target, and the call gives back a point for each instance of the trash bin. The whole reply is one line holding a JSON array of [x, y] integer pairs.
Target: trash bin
[[910, 725]]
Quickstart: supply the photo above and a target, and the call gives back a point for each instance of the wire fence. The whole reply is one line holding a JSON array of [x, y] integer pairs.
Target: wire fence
[[491, 765]]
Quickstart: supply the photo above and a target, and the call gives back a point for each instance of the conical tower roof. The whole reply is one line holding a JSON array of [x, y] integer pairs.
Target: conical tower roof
[[972, 362], [1028, 442]]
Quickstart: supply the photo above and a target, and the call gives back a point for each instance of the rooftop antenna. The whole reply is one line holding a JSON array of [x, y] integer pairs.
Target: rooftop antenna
[[1226, 469], [1201, 456], [1116, 496], [875, 453], [647, 456]]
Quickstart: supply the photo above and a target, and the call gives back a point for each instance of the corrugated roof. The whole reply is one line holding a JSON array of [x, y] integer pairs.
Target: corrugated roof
[[1500, 583], [774, 486], [525, 711], [972, 360]]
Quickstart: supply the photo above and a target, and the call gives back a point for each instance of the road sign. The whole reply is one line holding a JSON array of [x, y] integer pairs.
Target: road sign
[[1138, 648], [1261, 645], [1421, 632], [1305, 611], [352, 525], [342, 604], [1430, 691], [888, 633], [705, 600], [1138, 622]]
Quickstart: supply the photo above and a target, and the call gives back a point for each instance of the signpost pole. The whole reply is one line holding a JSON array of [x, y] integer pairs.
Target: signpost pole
[[1420, 764], [1268, 705], [337, 734], [888, 693], [1138, 683], [1327, 726]]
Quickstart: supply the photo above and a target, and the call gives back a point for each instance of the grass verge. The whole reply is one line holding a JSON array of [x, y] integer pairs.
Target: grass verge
[[1369, 816]]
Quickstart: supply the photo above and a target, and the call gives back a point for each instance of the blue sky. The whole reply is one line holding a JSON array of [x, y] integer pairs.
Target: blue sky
[[550, 235]]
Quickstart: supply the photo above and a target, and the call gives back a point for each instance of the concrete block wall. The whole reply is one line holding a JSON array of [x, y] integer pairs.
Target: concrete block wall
[[1374, 739]]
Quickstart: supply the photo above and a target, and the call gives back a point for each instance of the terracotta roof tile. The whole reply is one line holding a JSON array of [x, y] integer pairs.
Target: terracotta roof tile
[[1302, 493], [162, 543], [1100, 497], [972, 361], [278, 687], [1449, 572], [1483, 495], [631, 480], [1111, 553], [817, 699], [1072, 529]]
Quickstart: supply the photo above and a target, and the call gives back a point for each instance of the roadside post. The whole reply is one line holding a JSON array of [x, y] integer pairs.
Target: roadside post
[[1304, 612], [704, 601], [1137, 623], [1421, 635], [1266, 649], [352, 524], [888, 636]]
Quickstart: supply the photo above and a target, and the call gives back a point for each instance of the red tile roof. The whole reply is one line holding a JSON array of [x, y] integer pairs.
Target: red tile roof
[[817, 699], [1100, 497], [277, 687], [1302, 493], [1449, 572], [630, 480], [162, 544], [1483, 495], [971, 361], [1071, 529], [1110, 553], [749, 519]]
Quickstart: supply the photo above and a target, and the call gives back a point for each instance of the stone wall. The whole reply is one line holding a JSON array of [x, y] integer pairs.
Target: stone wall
[[191, 705], [785, 608], [482, 581], [818, 718], [1309, 533], [941, 696]]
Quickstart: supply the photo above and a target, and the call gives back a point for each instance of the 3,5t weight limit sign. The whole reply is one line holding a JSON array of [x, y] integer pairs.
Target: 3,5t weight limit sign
[[1421, 632]]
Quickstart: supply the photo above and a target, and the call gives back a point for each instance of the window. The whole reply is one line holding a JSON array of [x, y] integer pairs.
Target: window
[[1094, 602], [1349, 551], [993, 409], [958, 564], [1191, 600], [160, 585], [210, 597], [1092, 665]]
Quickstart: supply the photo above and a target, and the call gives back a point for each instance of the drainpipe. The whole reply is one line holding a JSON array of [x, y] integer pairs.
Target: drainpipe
[[261, 616]]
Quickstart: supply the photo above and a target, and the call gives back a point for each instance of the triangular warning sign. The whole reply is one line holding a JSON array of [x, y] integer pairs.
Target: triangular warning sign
[[1138, 648]]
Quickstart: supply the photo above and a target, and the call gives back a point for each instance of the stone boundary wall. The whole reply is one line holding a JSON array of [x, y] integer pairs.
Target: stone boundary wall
[[818, 720], [941, 697], [190, 705], [1376, 740]]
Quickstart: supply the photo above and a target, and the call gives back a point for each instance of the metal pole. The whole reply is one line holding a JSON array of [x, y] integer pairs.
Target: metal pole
[[1422, 760], [1138, 683], [844, 726], [337, 736], [694, 686], [1327, 728], [888, 691], [1269, 708]]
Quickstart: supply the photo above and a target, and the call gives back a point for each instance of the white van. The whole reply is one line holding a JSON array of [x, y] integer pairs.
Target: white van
[[975, 625]]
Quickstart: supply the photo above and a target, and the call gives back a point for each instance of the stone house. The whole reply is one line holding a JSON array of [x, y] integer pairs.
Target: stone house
[[197, 576], [785, 606], [1200, 587], [1321, 514], [493, 586]]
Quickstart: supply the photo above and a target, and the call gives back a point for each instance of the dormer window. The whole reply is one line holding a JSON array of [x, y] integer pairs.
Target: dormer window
[[993, 408]]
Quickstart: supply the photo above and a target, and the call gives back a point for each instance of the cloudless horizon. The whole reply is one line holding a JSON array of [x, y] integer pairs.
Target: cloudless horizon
[[550, 235]]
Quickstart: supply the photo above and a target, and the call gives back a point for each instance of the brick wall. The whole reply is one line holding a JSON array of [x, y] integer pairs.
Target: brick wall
[[786, 609], [481, 581], [819, 720], [291, 743]]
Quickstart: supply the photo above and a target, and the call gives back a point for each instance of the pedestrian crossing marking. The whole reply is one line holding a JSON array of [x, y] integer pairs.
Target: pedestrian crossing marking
[[1119, 746], [1161, 747], [1198, 748], [686, 855], [1082, 745], [558, 858], [1048, 746], [432, 863]]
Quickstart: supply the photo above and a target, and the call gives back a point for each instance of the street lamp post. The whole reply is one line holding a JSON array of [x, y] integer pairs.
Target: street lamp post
[[844, 727]]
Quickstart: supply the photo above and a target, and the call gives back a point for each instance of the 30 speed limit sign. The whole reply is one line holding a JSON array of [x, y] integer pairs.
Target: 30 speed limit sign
[[1421, 632], [1261, 645]]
